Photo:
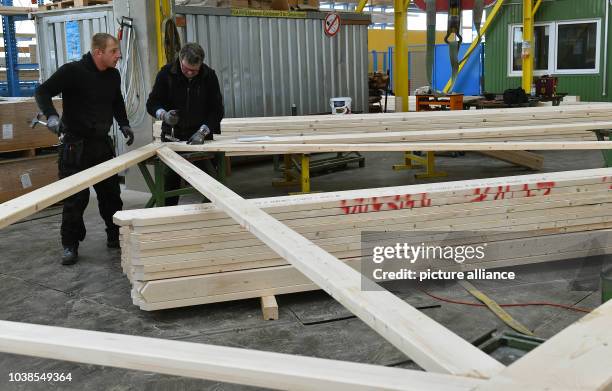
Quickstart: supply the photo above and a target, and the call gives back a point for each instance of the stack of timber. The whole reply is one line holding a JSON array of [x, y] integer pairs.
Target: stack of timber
[[27, 155], [196, 254], [422, 121], [565, 125]]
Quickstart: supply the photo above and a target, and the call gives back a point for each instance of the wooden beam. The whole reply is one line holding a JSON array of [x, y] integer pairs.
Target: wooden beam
[[20, 207], [527, 158], [425, 341], [16, 11], [211, 362], [577, 358], [522, 157], [269, 307]]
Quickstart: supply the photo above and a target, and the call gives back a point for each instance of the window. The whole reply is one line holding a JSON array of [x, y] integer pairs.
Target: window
[[578, 46], [541, 38], [568, 47]]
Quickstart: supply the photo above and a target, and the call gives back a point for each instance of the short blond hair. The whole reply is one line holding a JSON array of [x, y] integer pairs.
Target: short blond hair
[[100, 41]]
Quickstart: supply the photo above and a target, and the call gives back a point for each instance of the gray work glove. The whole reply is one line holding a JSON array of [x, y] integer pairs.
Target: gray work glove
[[53, 123], [127, 133], [199, 137], [169, 117]]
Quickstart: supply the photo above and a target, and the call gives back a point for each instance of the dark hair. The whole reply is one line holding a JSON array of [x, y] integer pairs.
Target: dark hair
[[192, 53], [100, 41]]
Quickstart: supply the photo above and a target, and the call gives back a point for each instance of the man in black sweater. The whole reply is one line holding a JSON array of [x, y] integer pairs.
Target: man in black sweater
[[186, 96], [91, 94]]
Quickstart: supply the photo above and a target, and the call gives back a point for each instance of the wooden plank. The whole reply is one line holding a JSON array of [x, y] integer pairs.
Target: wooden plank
[[20, 207], [577, 358], [219, 363], [524, 159], [430, 115], [428, 343], [269, 308], [16, 11], [549, 130]]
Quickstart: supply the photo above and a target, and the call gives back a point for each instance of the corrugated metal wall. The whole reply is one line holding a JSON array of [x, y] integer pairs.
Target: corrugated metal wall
[[588, 87], [267, 64], [51, 33], [417, 67]]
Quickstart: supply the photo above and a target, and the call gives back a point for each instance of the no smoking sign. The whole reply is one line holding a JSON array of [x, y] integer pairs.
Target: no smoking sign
[[331, 24]]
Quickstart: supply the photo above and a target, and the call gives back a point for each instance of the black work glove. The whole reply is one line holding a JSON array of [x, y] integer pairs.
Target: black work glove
[[199, 137], [127, 133], [169, 117], [53, 123]]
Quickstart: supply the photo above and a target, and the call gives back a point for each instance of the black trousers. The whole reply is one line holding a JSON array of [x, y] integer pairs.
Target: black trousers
[[172, 180], [76, 156]]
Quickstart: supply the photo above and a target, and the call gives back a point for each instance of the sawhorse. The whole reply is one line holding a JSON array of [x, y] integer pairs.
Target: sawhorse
[[156, 186], [411, 160], [306, 166], [601, 136]]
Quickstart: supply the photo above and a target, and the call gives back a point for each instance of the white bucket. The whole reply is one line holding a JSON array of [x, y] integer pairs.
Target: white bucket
[[341, 105]]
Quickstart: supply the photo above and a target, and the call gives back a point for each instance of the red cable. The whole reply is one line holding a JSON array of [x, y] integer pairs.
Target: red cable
[[567, 307]]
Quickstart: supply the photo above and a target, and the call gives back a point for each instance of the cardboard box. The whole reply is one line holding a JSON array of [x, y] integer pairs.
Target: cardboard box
[[15, 131], [21, 176]]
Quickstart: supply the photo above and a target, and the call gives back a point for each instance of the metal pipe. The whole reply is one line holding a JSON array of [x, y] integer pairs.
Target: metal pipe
[[604, 90]]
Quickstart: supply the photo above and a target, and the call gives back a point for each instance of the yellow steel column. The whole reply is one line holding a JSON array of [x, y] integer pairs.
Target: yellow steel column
[[361, 5], [401, 52], [162, 11], [528, 49], [305, 166], [536, 7]]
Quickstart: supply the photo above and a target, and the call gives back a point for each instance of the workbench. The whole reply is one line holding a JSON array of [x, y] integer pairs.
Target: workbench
[[156, 182]]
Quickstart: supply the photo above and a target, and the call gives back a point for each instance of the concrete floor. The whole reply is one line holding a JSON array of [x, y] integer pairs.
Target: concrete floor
[[95, 295]]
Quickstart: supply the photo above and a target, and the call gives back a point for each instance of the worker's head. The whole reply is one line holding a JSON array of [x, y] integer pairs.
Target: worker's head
[[191, 58], [105, 51]]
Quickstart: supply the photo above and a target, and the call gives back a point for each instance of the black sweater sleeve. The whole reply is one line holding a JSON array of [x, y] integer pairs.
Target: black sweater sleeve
[[59, 82], [215, 115], [119, 107], [158, 94]]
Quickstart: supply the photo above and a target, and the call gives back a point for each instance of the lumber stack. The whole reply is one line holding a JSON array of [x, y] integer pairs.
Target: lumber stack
[[565, 127], [196, 254], [419, 121]]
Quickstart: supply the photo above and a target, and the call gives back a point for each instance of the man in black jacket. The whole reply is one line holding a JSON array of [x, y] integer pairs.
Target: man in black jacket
[[186, 96], [91, 93]]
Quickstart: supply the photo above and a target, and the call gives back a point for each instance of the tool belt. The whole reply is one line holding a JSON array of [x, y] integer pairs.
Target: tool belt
[[70, 155]]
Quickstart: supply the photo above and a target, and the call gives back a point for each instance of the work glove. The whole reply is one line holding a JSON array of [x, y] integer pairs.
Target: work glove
[[199, 137], [169, 117], [53, 123], [127, 133]]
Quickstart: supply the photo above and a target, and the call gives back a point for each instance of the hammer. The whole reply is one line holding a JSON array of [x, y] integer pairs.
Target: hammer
[[36, 120]]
